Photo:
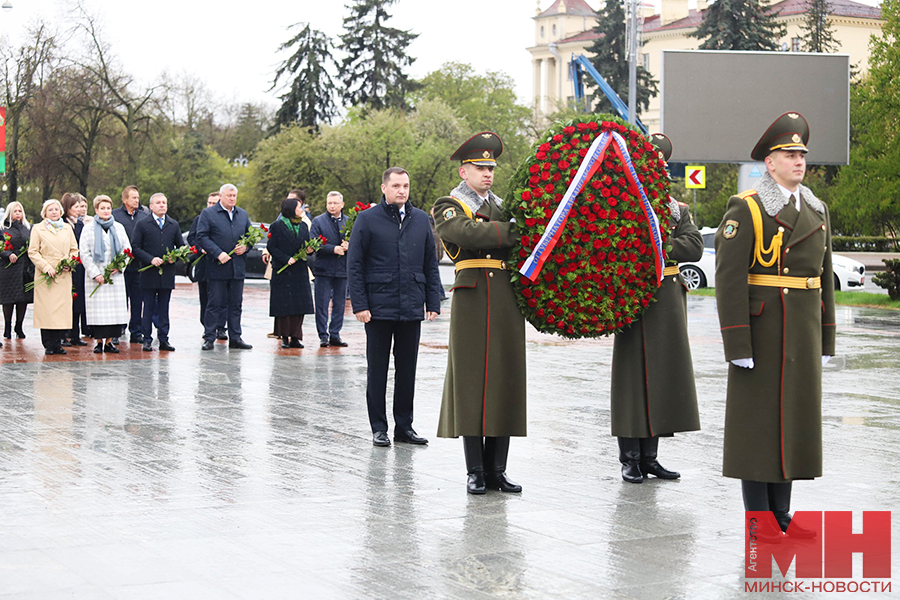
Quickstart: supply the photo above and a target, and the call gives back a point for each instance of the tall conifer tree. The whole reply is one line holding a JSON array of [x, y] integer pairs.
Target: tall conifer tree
[[818, 33], [739, 25], [607, 54], [372, 72], [309, 99]]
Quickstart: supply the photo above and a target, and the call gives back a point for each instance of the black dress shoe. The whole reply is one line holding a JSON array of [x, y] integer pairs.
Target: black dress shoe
[[147, 346], [296, 344], [475, 483], [115, 341], [78, 342], [165, 345], [65, 343], [409, 437], [49, 351], [59, 350], [207, 345], [110, 349], [7, 334], [652, 467], [631, 472], [20, 335], [499, 481], [285, 342], [380, 438], [239, 344], [323, 344], [98, 349], [136, 338], [221, 334], [337, 342]]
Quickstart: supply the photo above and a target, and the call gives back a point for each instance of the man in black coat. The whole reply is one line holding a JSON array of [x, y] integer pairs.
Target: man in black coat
[[218, 231], [393, 272], [154, 237], [128, 215], [330, 270], [200, 269]]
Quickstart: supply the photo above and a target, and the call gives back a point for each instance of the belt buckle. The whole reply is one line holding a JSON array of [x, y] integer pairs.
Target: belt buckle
[[810, 282], [504, 266]]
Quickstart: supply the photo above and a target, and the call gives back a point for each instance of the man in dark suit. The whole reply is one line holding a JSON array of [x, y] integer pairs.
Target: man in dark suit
[[154, 237], [200, 269], [330, 270], [128, 215], [218, 231], [393, 273]]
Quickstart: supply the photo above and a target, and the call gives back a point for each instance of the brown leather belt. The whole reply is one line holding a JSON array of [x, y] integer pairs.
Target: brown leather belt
[[783, 281]]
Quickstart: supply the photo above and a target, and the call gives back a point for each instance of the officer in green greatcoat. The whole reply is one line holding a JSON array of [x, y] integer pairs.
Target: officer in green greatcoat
[[484, 389], [653, 392], [775, 296]]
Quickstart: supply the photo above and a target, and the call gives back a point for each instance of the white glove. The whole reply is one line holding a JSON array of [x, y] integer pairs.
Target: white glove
[[744, 363], [512, 220], [825, 359]]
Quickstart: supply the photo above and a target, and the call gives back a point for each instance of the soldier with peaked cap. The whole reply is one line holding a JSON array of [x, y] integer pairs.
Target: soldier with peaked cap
[[775, 296], [653, 391], [484, 389]]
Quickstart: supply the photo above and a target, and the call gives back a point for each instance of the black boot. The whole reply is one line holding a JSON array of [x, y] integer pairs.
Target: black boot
[[472, 445], [756, 499], [630, 457], [649, 464], [780, 503], [496, 449]]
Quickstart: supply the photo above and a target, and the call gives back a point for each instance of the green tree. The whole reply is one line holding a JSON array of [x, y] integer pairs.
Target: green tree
[[309, 99], [721, 184], [607, 54], [866, 197], [739, 25], [372, 72], [818, 32]]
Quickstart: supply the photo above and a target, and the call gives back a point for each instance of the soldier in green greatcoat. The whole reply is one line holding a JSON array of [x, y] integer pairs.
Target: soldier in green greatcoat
[[484, 389], [653, 391], [775, 296]]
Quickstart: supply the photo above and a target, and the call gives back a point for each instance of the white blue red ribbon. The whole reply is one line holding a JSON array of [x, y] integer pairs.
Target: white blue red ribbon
[[592, 161]]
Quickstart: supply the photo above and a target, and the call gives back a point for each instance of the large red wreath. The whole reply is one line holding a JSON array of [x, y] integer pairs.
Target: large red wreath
[[600, 275]]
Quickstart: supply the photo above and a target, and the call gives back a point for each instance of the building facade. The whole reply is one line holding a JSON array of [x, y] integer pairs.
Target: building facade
[[565, 29]]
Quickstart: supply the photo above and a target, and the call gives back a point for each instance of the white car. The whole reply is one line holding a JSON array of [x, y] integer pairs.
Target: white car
[[848, 273]]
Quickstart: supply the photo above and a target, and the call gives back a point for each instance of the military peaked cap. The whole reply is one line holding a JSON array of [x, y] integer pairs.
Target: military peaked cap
[[790, 131], [663, 145], [481, 149]]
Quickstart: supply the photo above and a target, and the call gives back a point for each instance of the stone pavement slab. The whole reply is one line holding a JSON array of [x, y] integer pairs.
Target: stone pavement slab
[[251, 474]]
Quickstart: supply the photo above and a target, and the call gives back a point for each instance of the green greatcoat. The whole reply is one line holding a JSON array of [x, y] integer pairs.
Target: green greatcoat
[[484, 390], [773, 413], [653, 390]]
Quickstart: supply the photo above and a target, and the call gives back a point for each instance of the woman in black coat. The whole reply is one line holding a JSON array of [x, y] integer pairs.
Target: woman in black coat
[[290, 297], [15, 270], [74, 211]]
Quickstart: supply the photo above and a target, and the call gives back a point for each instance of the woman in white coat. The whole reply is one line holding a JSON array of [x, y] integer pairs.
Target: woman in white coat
[[107, 309]]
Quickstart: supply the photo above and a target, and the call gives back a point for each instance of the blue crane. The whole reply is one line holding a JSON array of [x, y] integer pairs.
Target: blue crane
[[577, 67]]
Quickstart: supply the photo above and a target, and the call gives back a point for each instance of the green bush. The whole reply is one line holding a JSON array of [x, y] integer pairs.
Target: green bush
[[890, 278], [840, 243]]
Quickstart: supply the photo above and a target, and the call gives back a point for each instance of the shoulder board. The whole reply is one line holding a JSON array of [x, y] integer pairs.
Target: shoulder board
[[747, 194], [465, 208]]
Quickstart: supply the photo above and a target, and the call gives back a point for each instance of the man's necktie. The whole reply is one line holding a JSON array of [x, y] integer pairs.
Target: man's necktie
[[160, 221]]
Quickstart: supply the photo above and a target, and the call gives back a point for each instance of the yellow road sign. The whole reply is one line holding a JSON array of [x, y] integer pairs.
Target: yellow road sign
[[695, 177]]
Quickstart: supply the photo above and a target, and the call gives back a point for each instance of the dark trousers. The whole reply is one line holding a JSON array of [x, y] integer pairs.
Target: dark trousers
[[51, 338], [330, 289], [223, 305], [159, 300], [135, 299], [405, 336], [204, 299]]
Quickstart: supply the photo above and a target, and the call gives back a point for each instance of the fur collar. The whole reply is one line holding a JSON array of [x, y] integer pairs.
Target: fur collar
[[773, 199], [474, 201], [674, 209]]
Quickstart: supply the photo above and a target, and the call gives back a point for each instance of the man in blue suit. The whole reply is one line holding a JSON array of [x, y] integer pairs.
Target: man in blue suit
[[394, 279], [154, 237], [330, 270], [218, 231]]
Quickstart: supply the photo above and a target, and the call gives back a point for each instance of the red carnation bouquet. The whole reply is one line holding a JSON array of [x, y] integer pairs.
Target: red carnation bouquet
[[600, 274], [7, 242], [66, 263], [182, 253], [351, 217], [314, 244], [118, 263]]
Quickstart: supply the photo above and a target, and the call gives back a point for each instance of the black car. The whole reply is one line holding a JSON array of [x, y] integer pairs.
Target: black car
[[255, 267]]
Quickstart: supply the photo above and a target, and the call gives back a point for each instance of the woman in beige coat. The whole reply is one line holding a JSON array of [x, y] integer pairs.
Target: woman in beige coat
[[51, 241]]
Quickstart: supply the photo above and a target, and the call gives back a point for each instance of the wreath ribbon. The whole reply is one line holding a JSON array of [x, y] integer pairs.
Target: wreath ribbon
[[589, 165]]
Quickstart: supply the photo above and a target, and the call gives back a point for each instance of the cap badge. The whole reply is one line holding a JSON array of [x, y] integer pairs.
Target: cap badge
[[794, 115], [486, 154], [486, 136], [795, 138]]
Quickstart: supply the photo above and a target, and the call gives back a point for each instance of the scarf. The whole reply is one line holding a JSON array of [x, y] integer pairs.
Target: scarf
[[57, 224], [293, 225], [474, 201], [100, 243]]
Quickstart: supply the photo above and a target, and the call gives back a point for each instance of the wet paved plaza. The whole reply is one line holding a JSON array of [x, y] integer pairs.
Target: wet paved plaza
[[251, 474]]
